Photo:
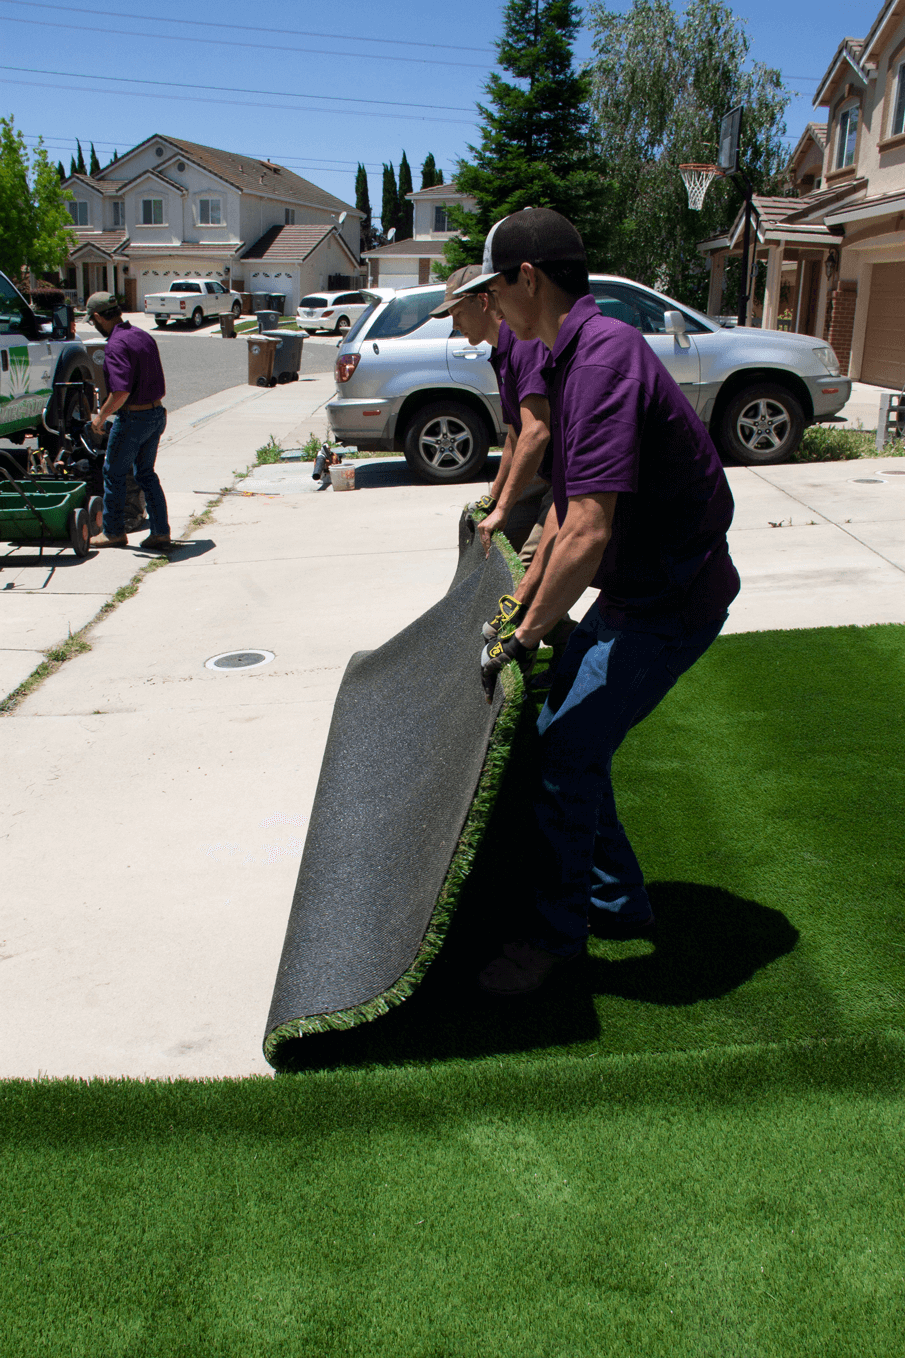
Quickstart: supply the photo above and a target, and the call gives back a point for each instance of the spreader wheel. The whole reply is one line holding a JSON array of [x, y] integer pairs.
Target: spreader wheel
[[95, 516], [79, 534]]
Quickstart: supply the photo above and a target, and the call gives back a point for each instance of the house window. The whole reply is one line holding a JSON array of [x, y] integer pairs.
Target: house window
[[119, 212], [846, 138], [898, 112], [209, 211], [79, 213], [441, 218], [290, 216], [152, 211]]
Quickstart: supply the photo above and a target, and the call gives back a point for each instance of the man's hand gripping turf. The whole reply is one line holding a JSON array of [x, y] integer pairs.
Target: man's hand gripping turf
[[498, 653]]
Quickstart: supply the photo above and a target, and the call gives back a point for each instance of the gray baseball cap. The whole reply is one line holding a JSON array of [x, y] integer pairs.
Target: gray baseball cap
[[102, 304], [456, 280]]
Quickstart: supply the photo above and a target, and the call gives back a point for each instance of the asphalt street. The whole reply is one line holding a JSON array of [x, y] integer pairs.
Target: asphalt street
[[197, 365]]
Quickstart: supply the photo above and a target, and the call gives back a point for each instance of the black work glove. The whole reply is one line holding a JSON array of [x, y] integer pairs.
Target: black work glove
[[485, 505], [508, 616], [498, 653]]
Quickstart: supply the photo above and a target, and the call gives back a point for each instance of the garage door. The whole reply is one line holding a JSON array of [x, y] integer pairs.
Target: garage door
[[884, 341]]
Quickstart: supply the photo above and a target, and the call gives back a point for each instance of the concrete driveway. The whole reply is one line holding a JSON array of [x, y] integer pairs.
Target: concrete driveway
[[154, 811]]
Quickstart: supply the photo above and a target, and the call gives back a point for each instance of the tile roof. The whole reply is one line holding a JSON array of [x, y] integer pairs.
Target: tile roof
[[289, 244], [167, 248], [435, 191], [108, 241], [410, 249], [259, 176]]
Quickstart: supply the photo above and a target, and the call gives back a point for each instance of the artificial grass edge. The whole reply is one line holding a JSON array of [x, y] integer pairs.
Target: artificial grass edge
[[498, 752], [107, 1109]]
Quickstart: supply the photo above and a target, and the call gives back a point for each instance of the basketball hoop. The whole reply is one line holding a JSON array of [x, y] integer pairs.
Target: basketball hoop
[[696, 179]]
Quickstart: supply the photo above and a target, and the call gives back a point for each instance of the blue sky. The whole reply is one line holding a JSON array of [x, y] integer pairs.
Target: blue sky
[[313, 86]]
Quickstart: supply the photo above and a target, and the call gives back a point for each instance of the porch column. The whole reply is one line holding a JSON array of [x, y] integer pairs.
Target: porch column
[[771, 290], [717, 276]]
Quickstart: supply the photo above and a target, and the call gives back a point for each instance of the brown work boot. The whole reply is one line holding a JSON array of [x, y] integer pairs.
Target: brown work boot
[[157, 542], [103, 541], [522, 969]]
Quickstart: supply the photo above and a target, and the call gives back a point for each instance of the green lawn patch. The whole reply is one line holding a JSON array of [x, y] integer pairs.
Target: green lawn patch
[[693, 1150]]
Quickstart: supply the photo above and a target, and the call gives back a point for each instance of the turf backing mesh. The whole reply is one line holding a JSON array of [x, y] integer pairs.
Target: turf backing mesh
[[413, 761]]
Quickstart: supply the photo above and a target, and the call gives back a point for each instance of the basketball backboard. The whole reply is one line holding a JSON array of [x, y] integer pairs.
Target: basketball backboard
[[730, 136]]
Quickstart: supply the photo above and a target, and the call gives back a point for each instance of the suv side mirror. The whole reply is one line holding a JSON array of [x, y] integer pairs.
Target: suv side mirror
[[63, 322], [674, 324]]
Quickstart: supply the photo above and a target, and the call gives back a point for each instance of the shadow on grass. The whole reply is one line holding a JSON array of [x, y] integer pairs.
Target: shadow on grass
[[707, 943]]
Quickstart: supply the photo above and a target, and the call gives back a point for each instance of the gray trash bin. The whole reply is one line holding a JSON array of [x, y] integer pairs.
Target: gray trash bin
[[267, 320], [277, 302], [260, 301], [288, 357]]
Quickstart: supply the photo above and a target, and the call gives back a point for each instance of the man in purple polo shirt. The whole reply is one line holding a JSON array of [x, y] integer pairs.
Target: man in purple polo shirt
[[526, 410], [642, 510], [134, 377]]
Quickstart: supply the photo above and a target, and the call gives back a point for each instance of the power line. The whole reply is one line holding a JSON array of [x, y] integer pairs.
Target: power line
[[241, 103], [225, 42], [247, 28]]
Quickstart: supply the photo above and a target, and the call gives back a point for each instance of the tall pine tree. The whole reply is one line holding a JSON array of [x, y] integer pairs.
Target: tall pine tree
[[60, 171], [535, 148], [406, 208], [363, 203], [389, 211], [79, 159], [94, 162], [429, 172]]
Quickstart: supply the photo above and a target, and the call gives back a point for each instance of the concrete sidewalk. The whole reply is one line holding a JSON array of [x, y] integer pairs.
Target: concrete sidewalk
[[154, 811]]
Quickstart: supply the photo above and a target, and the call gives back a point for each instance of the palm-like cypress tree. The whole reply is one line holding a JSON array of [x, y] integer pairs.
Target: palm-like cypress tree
[[406, 208], [389, 211]]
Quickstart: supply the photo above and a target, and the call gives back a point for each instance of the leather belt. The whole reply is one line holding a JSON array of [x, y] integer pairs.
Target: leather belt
[[147, 405]]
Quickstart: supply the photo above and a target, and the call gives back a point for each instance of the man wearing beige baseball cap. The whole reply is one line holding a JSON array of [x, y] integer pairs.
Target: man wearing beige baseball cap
[[517, 489]]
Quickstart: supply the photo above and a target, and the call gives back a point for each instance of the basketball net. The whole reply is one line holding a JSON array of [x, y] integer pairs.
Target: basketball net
[[697, 179]]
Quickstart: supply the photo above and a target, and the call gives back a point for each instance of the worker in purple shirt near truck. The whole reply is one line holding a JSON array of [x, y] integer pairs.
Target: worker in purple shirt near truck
[[642, 508], [135, 383]]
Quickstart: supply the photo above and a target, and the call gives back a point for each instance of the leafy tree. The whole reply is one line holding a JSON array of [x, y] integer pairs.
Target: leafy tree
[[535, 148], [661, 84], [429, 172], [34, 219], [406, 209], [94, 162], [389, 211]]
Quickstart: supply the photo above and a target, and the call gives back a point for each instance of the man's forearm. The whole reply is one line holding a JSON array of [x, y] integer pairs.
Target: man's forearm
[[524, 462], [527, 587], [502, 475], [114, 401], [573, 558]]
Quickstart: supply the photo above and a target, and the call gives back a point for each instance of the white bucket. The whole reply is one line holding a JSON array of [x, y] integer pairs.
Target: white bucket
[[342, 476]]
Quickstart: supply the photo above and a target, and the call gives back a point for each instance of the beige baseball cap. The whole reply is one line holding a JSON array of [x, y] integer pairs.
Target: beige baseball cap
[[456, 280]]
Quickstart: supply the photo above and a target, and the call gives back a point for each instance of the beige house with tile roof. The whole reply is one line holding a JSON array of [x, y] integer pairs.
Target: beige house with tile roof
[[836, 256], [405, 263], [171, 208]]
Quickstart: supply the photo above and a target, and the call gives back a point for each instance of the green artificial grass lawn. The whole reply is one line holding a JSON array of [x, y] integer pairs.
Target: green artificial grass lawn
[[692, 1147]]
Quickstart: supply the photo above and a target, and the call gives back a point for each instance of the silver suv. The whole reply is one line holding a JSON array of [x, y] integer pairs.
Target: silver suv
[[405, 381]]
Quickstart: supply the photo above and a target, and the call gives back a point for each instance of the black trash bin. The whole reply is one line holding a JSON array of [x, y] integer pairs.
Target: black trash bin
[[288, 357], [277, 302], [267, 320]]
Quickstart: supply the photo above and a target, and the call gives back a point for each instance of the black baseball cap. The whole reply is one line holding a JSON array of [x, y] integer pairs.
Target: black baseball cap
[[535, 236]]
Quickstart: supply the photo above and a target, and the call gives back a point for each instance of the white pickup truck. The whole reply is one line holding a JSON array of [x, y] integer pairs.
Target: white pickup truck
[[191, 300]]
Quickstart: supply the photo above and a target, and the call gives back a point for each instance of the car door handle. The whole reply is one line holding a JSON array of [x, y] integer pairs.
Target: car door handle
[[376, 348], [466, 353]]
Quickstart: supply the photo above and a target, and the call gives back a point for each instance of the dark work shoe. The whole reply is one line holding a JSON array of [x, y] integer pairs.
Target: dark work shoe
[[120, 540], [157, 542], [607, 924], [520, 970]]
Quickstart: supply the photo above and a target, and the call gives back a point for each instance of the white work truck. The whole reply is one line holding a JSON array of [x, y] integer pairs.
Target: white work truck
[[191, 300]]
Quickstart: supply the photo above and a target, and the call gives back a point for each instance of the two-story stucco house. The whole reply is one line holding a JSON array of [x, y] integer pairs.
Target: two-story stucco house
[[404, 263], [836, 255], [171, 208]]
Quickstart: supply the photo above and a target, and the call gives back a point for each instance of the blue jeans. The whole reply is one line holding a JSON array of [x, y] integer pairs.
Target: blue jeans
[[132, 446], [607, 681]]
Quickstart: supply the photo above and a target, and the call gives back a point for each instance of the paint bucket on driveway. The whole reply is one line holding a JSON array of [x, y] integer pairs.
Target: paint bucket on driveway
[[342, 476]]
